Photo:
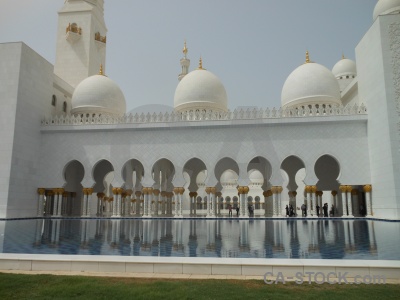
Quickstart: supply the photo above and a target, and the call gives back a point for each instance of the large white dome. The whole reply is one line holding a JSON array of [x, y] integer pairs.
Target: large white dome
[[344, 67], [310, 83], [385, 7], [256, 177], [200, 89], [98, 94], [229, 177]]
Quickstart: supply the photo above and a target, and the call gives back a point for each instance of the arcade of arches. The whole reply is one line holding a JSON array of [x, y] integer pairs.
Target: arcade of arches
[[257, 198]]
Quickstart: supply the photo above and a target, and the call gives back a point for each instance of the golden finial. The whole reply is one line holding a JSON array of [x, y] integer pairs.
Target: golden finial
[[307, 57], [343, 57], [185, 49], [200, 64], [101, 70]]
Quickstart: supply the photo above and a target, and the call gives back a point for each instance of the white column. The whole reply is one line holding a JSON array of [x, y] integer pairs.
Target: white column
[[137, 203], [181, 191], [195, 204], [279, 195], [84, 202], [343, 189], [55, 202], [89, 199], [349, 201], [114, 202], [266, 194], [309, 202], [156, 197], [59, 204], [41, 193], [176, 198], [274, 190], [367, 189]]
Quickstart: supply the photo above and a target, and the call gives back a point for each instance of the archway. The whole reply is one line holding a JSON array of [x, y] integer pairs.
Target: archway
[[73, 173]]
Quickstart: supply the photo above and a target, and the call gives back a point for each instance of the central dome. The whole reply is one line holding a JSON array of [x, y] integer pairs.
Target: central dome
[[310, 83], [200, 89], [385, 7], [98, 94]]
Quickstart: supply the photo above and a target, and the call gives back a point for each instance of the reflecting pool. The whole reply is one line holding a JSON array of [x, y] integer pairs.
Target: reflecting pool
[[291, 238]]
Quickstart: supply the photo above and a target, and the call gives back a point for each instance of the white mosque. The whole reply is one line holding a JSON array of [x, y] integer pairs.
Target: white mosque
[[70, 148]]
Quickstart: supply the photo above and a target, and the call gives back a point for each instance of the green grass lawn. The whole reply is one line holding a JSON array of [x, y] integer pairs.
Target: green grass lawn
[[13, 286]]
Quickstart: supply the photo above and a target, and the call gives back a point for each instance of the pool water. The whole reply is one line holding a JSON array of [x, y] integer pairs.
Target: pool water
[[258, 238]]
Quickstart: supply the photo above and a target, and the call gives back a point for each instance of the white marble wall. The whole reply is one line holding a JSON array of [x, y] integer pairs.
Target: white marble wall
[[378, 58]]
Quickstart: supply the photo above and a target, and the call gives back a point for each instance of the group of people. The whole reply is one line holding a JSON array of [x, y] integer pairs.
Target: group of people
[[321, 211], [290, 212], [230, 210]]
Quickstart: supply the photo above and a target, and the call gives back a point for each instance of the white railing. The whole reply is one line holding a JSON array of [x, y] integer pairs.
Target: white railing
[[201, 116]]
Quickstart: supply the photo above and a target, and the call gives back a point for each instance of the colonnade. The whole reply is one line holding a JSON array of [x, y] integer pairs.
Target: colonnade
[[150, 202]]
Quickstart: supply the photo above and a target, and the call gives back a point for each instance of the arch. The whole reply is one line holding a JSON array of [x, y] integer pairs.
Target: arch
[[223, 165], [193, 167], [101, 170], [262, 165], [291, 165], [132, 173], [163, 172], [327, 170], [73, 174]]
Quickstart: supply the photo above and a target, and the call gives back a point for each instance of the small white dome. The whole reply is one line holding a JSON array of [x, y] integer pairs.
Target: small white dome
[[310, 83], [344, 67], [98, 94], [385, 7], [229, 177], [201, 177], [200, 89], [256, 177]]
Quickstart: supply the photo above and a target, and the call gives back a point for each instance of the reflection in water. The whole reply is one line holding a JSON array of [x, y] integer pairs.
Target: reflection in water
[[326, 239]]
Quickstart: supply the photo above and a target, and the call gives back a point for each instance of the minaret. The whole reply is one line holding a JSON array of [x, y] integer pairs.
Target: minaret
[[81, 40], [185, 63]]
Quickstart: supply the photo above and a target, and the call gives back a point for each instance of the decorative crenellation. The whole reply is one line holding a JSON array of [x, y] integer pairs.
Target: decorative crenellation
[[394, 36], [208, 115]]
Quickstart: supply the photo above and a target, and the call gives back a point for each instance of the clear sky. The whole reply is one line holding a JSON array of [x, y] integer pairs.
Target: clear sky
[[251, 45]]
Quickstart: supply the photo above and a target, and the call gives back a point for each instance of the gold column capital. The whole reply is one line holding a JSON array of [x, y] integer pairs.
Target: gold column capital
[[138, 193], [367, 188], [41, 191], [100, 195], [334, 193], [129, 192], [156, 192], [349, 188], [354, 192], [343, 188], [192, 194], [313, 189]]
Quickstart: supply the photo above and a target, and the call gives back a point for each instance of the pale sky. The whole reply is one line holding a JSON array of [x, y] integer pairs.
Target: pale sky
[[251, 45]]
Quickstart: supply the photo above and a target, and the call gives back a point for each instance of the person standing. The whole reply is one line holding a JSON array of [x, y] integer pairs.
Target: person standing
[[237, 211], [287, 211], [230, 210]]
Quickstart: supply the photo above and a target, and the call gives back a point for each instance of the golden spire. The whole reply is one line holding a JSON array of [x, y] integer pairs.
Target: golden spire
[[101, 70], [307, 57], [200, 64], [343, 57], [185, 49]]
